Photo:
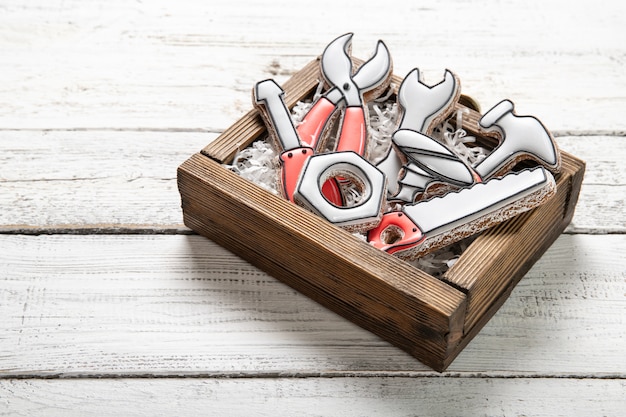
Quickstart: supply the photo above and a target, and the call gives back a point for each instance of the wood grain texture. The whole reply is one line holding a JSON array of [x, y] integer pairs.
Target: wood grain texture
[[279, 238], [93, 179], [501, 256], [181, 305], [354, 396], [99, 180], [101, 101], [190, 64], [251, 126], [394, 300]]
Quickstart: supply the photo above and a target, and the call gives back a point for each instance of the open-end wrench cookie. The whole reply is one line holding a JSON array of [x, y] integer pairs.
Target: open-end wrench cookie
[[416, 160]]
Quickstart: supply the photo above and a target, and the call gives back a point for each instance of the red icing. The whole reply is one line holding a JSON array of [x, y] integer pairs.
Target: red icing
[[399, 225], [311, 127], [293, 162], [332, 192], [353, 135]]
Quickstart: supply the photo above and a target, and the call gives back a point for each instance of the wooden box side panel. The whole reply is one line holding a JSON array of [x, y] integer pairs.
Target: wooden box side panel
[[501, 256], [576, 167], [403, 305], [486, 273]]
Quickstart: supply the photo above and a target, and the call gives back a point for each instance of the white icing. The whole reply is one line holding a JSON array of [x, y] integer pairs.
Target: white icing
[[391, 166], [414, 168], [342, 164], [415, 141], [448, 170], [414, 181], [423, 103], [375, 71], [416, 177], [433, 157], [443, 214], [406, 193], [429, 160], [270, 94], [521, 135], [336, 67]]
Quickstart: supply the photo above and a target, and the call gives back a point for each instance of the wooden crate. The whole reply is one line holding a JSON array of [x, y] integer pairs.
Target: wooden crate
[[431, 318]]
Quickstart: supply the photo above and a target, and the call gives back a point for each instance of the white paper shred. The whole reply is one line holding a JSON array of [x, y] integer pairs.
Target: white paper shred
[[457, 140], [258, 163]]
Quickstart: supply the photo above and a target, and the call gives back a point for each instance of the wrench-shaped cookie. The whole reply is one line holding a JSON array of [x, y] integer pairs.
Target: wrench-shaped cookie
[[423, 107]]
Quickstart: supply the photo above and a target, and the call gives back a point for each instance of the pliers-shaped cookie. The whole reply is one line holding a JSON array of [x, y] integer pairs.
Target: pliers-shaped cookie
[[297, 146], [348, 88]]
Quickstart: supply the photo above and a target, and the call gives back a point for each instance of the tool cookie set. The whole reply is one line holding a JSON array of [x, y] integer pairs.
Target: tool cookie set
[[391, 201]]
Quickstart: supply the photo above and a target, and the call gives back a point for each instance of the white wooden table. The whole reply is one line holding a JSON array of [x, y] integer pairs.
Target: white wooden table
[[109, 306]]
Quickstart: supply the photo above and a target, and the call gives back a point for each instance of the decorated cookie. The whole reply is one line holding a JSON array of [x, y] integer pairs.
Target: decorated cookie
[[367, 211], [407, 164], [522, 138], [437, 196], [346, 89], [314, 181], [268, 99], [428, 225], [487, 193]]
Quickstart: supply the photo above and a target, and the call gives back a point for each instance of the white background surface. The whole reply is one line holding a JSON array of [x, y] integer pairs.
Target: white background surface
[[110, 306]]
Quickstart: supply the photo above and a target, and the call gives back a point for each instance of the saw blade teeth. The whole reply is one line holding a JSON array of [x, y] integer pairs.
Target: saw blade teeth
[[443, 213]]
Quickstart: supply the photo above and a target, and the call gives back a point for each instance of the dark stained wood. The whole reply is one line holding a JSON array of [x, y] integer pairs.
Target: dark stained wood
[[502, 255], [400, 303], [429, 318]]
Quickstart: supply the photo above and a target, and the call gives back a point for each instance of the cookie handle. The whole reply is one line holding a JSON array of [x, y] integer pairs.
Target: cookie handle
[[395, 232], [353, 134], [292, 163], [310, 130]]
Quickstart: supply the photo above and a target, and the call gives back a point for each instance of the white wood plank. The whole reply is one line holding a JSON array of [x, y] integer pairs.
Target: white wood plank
[[100, 102], [564, 314], [96, 179], [602, 199], [108, 180], [344, 397], [191, 64], [161, 305]]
